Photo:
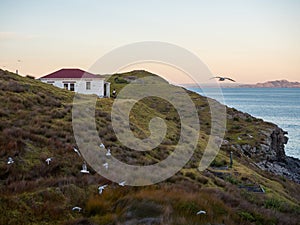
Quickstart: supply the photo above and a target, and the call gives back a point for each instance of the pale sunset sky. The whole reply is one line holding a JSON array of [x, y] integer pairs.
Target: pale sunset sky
[[250, 41]]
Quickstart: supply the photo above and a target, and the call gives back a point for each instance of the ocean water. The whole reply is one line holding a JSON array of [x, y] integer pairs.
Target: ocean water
[[277, 105]]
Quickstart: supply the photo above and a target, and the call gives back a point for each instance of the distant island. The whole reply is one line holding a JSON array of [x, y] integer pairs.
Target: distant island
[[267, 84], [272, 84]]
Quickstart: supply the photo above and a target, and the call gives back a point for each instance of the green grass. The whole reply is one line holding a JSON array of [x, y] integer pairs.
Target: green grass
[[35, 123]]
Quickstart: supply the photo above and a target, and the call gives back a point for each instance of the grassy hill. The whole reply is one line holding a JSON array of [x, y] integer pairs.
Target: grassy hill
[[36, 123]]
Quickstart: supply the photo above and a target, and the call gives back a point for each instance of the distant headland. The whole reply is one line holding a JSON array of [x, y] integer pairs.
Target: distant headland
[[267, 84], [273, 84]]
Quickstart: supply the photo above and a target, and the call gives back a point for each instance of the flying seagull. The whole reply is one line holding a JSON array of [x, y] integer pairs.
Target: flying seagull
[[201, 212], [108, 152], [77, 151], [10, 161], [102, 145], [76, 208], [101, 188], [105, 165], [48, 160], [122, 183], [223, 78], [84, 168]]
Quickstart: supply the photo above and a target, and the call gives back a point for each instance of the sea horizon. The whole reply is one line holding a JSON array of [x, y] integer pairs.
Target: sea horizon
[[280, 106]]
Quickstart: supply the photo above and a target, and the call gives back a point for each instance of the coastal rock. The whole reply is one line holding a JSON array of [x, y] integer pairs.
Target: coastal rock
[[290, 169], [264, 147], [271, 147], [275, 159], [278, 140], [270, 155]]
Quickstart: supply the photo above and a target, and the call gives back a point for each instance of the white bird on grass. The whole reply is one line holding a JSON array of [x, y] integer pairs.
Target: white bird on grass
[[77, 151], [48, 160], [201, 212], [122, 183], [10, 160], [76, 208], [101, 188], [102, 145], [108, 152], [84, 169], [105, 165]]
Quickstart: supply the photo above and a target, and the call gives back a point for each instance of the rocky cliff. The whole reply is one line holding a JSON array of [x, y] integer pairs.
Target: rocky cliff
[[278, 140], [278, 162], [269, 153]]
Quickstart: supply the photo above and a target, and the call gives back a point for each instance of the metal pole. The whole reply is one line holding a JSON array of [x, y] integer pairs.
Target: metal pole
[[231, 161]]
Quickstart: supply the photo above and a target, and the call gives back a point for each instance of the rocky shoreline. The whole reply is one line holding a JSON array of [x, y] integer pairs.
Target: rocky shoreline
[[289, 169], [281, 164], [271, 155]]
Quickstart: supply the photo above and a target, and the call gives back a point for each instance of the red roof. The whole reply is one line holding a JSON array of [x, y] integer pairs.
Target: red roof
[[70, 73]]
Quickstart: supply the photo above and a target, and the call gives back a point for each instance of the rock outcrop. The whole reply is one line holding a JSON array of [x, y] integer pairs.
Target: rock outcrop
[[270, 155], [278, 140], [274, 158]]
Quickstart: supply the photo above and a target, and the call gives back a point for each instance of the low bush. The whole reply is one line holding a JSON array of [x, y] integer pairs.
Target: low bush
[[246, 216], [273, 203]]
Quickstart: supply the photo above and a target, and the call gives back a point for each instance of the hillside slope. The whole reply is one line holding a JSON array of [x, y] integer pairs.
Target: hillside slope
[[35, 124]]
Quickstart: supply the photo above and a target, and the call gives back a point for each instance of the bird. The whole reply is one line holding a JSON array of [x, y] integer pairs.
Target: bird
[[48, 160], [102, 145], [108, 152], [76, 208], [101, 188], [77, 151], [201, 212], [223, 78], [105, 165], [84, 168], [122, 183], [10, 161]]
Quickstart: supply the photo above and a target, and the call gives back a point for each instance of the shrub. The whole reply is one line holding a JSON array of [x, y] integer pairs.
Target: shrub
[[96, 206], [58, 113], [145, 208], [236, 127], [14, 86], [30, 77], [246, 216], [191, 175], [216, 163], [202, 180], [232, 180], [249, 120], [273, 203], [120, 80], [189, 207], [101, 113], [111, 137], [80, 221]]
